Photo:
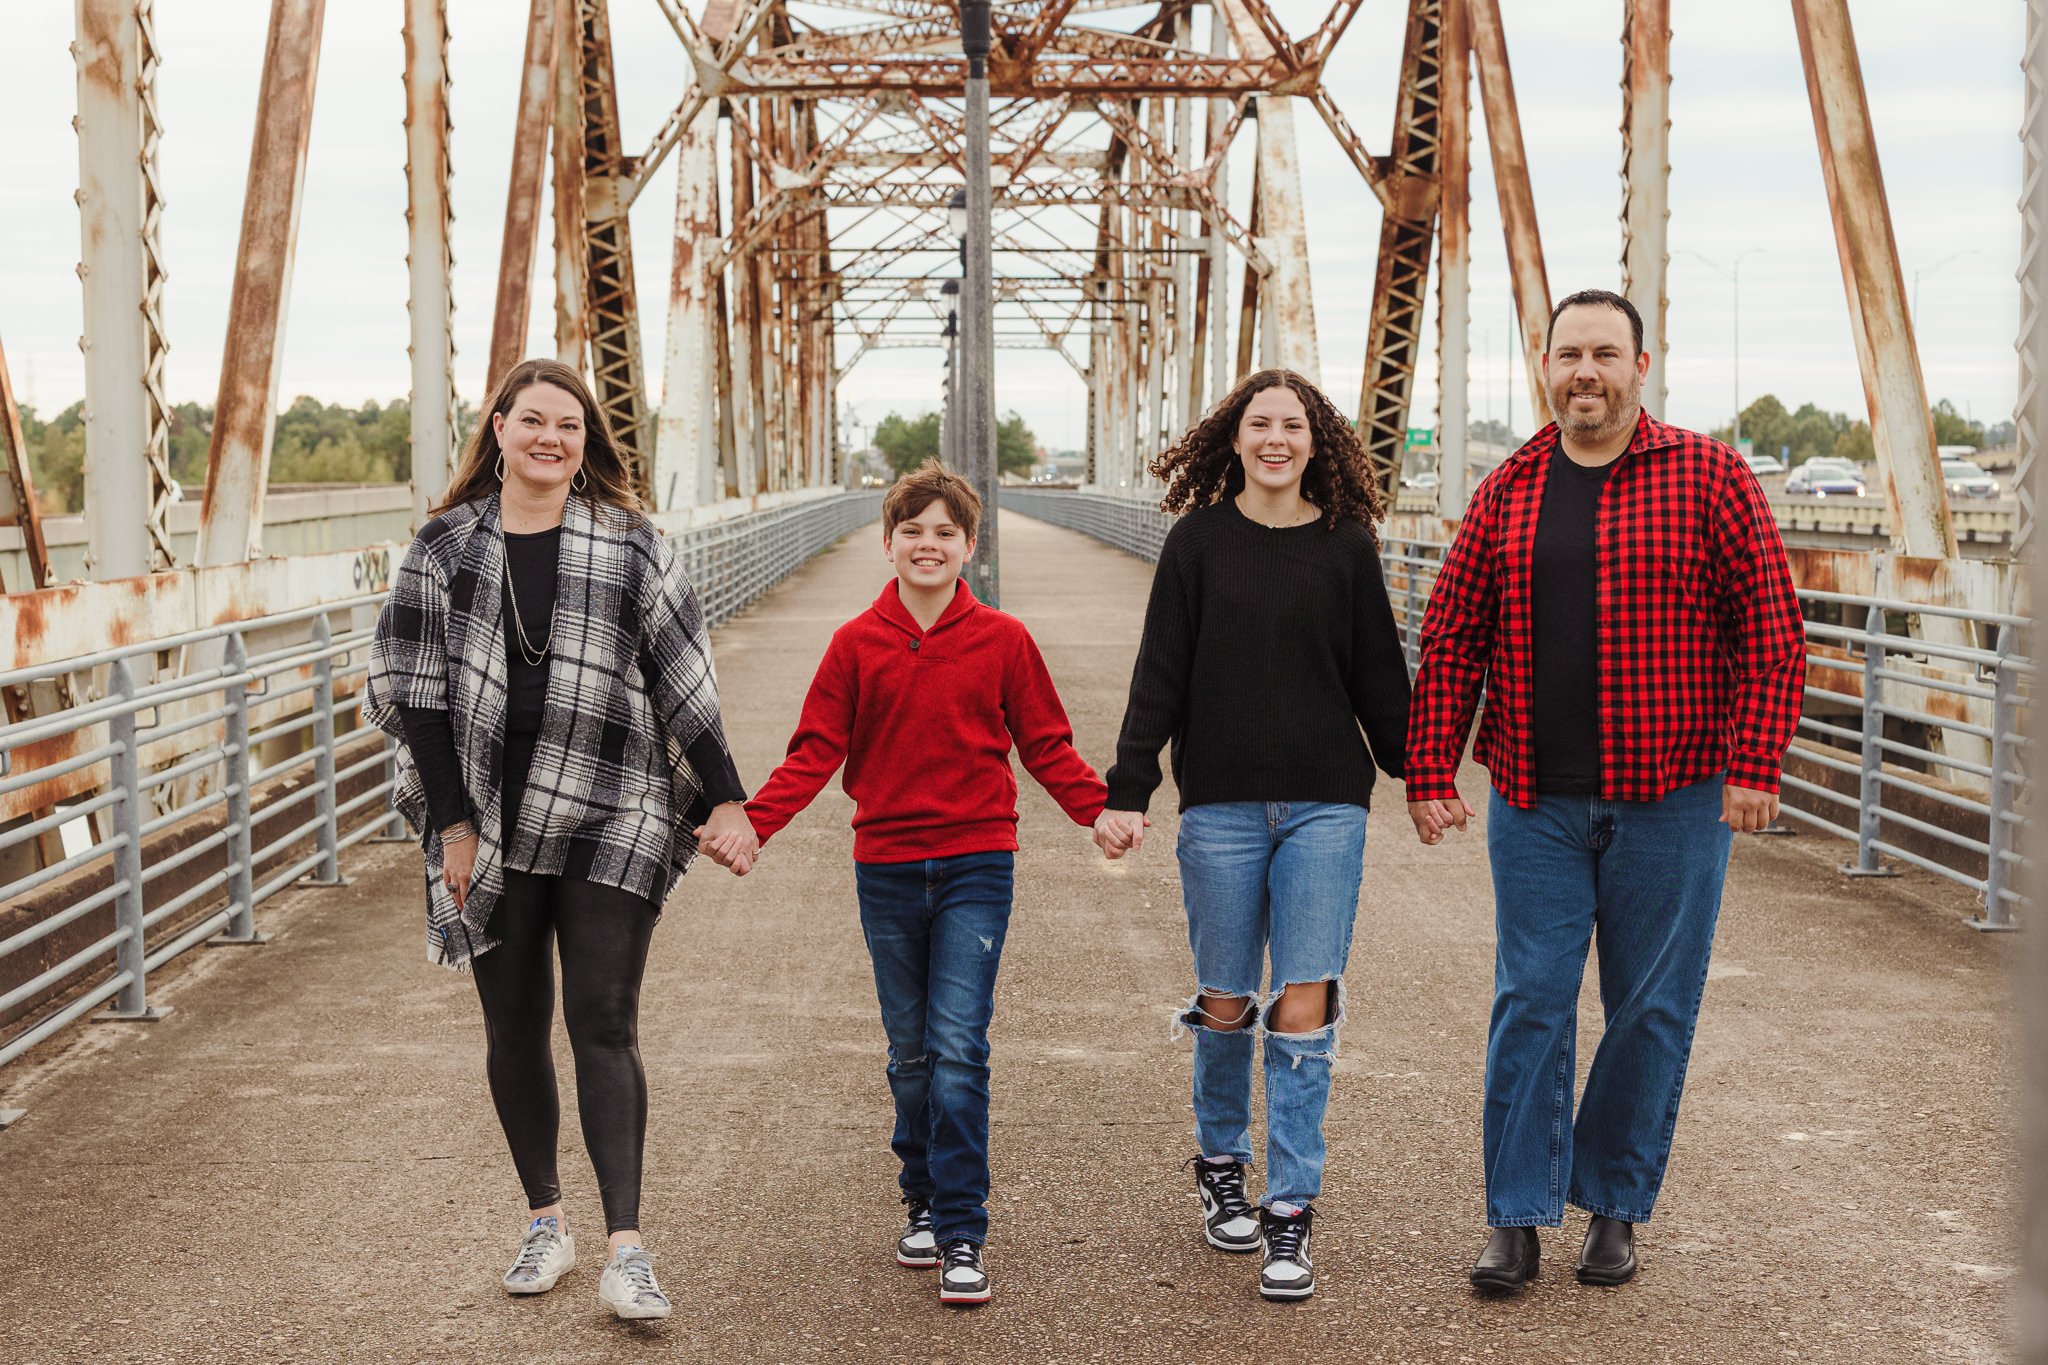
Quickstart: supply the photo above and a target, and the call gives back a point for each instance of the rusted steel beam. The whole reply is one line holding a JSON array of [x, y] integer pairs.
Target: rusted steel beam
[[1248, 307], [523, 192], [1394, 336], [18, 491], [245, 410], [683, 455], [1892, 384], [1289, 303], [572, 251], [1047, 78], [1517, 199], [617, 371], [1646, 177], [429, 258], [126, 491], [1454, 253]]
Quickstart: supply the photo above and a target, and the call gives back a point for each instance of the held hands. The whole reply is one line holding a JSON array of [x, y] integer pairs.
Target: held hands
[[1746, 810], [1432, 818], [1118, 832], [727, 838]]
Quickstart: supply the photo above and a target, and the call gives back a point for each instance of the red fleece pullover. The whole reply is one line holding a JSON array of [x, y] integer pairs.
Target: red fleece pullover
[[923, 720]]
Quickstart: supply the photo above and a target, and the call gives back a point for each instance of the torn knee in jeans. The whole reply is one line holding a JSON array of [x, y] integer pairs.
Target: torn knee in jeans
[[1217, 1010], [1301, 1046]]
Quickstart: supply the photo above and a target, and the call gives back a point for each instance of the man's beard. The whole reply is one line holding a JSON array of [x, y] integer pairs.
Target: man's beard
[[1618, 415]]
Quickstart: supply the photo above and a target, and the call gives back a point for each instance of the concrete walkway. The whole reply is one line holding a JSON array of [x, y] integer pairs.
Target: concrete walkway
[[301, 1163]]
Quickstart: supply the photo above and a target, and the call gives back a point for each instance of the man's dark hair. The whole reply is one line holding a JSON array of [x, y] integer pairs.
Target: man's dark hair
[[1604, 298]]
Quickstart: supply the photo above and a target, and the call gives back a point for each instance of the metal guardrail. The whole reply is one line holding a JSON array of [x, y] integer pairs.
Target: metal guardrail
[[182, 744], [1901, 676]]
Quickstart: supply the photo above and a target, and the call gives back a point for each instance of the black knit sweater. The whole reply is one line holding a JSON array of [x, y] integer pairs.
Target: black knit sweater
[[1264, 653]]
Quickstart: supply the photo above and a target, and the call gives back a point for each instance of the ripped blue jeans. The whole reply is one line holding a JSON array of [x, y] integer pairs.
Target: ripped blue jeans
[[935, 931], [1262, 878]]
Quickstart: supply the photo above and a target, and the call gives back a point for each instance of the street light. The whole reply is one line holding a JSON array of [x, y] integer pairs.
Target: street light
[[1929, 270], [1734, 273], [956, 215]]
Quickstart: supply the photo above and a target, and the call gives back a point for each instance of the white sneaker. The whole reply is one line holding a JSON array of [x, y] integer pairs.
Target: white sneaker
[[627, 1286], [544, 1256]]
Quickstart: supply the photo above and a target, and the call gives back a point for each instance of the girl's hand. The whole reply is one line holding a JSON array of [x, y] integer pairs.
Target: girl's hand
[[458, 860], [1120, 831]]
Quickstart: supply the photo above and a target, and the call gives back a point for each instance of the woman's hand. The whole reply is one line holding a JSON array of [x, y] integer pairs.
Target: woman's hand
[[727, 838], [458, 860]]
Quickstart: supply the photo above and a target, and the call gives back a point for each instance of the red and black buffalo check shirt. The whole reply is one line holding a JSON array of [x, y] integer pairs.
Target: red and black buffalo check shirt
[[1702, 659]]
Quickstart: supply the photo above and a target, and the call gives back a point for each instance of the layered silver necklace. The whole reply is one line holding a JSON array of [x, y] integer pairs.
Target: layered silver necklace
[[534, 656]]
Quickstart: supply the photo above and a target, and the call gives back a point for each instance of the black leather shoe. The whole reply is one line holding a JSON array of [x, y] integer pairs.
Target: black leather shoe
[[1609, 1256], [1508, 1262]]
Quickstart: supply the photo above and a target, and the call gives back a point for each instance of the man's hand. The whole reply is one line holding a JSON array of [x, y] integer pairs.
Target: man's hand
[[727, 838], [1745, 809], [1432, 818], [1120, 831]]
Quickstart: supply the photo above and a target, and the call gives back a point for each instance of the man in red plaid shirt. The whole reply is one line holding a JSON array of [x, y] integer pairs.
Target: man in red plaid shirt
[[1619, 590]]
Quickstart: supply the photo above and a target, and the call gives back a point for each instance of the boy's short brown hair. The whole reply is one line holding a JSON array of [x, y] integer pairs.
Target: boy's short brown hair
[[915, 491]]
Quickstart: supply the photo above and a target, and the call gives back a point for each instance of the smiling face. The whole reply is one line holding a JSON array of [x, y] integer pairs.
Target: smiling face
[[1594, 374], [542, 438], [1273, 440], [928, 547]]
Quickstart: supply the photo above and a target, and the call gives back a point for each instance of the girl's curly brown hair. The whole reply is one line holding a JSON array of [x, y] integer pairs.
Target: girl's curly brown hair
[[1204, 467]]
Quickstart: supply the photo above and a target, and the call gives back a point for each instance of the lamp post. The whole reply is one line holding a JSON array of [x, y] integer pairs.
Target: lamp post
[[1734, 274], [949, 414], [1929, 270], [978, 354]]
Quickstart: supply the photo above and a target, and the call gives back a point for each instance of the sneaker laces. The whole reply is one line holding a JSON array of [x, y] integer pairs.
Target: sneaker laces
[[920, 1215], [1284, 1236], [636, 1268], [541, 1239], [963, 1256], [1226, 1185]]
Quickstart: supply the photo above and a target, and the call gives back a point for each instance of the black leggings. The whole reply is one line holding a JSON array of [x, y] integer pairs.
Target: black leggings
[[604, 933]]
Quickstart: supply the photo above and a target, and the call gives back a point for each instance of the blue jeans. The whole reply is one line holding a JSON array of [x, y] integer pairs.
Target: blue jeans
[[1260, 876], [1642, 879], [935, 931]]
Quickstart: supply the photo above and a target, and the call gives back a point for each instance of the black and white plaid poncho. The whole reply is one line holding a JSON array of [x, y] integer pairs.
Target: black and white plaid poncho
[[630, 687]]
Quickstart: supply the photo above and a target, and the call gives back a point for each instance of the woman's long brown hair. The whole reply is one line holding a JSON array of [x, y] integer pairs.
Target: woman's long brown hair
[[604, 473], [1202, 468]]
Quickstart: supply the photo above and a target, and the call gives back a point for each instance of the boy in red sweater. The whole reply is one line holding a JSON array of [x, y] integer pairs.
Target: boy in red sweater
[[920, 696]]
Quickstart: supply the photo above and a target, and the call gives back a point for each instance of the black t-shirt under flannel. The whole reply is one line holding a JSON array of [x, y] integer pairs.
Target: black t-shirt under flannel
[[1565, 606]]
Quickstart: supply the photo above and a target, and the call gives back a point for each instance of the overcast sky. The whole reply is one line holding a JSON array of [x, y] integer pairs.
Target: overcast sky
[[1944, 87]]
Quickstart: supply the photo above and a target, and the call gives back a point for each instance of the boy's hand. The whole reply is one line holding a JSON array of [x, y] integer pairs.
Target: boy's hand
[[1120, 831], [728, 839], [1432, 818]]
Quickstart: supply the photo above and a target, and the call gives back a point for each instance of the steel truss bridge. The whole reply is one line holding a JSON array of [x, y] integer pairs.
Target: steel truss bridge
[[814, 155]]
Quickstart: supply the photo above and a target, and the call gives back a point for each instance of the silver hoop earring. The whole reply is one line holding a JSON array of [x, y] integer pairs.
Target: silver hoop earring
[[580, 482], [501, 466]]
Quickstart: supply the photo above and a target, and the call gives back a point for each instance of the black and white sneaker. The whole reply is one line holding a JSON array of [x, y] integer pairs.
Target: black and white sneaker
[[1229, 1220], [917, 1247], [1287, 1273], [964, 1280]]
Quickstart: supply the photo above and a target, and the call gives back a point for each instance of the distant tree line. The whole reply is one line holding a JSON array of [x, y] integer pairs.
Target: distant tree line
[[314, 442], [1797, 437], [907, 442]]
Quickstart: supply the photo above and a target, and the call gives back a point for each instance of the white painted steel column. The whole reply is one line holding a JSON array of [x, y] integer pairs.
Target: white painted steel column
[[429, 260], [238, 459], [684, 454], [108, 53], [1646, 178], [1221, 353]]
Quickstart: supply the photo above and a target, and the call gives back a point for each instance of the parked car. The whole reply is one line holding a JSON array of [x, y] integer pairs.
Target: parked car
[[1426, 480], [1761, 465], [1967, 479], [1826, 477]]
